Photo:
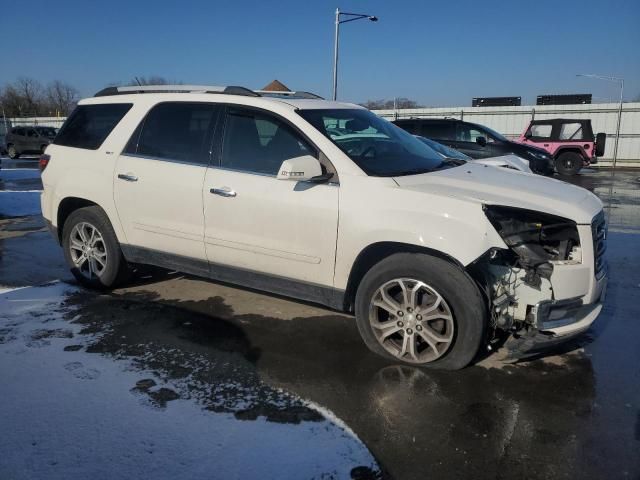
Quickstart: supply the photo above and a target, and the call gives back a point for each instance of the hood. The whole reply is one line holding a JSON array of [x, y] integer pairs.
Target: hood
[[506, 161], [501, 186]]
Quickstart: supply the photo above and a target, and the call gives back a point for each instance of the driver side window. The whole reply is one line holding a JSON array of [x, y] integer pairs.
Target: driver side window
[[256, 142], [465, 133]]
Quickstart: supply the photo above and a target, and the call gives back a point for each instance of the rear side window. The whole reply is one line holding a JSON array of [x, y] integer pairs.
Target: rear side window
[[176, 131], [408, 126], [571, 131], [438, 130], [89, 125]]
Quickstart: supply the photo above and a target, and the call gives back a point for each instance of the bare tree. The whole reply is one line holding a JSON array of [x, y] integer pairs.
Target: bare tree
[[61, 98], [150, 80], [400, 102], [23, 97]]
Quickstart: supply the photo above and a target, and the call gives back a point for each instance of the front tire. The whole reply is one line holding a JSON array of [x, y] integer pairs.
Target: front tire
[[569, 163], [91, 249], [421, 310]]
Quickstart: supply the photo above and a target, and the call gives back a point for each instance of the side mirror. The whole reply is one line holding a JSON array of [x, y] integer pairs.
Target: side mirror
[[481, 141], [528, 134], [300, 169]]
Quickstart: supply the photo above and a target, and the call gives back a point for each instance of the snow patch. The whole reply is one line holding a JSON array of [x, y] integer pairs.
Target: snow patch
[[76, 415]]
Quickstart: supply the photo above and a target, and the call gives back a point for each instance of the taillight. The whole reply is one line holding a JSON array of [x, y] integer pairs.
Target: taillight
[[44, 161]]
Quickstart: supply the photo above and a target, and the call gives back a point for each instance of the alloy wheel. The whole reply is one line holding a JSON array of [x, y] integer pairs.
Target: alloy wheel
[[88, 250], [411, 320]]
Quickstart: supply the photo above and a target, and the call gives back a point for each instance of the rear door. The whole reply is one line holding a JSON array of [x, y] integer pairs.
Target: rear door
[[255, 222], [158, 180], [33, 140], [441, 131]]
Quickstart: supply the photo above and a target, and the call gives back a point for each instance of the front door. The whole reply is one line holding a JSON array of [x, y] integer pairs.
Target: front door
[[467, 142], [258, 223], [158, 180]]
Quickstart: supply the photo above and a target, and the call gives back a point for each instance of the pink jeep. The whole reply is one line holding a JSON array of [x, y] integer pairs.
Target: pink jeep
[[569, 141]]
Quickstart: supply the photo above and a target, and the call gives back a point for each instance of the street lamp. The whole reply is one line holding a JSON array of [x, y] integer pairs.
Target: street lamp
[[621, 82], [350, 17]]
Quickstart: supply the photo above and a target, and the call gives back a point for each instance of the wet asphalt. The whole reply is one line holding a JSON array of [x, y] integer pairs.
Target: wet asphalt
[[570, 413]]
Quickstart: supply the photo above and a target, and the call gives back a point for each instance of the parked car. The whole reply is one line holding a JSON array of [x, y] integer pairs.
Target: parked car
[[5, 126], [570, 142], [476, 141], [30, 139], [505, 161], [329, 203]]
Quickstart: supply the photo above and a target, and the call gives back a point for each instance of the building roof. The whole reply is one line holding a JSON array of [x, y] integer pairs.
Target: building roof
[[276, 86]]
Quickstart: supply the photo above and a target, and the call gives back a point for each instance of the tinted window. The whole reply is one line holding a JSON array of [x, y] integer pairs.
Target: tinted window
[[176, 131], [89, 125], [438, 130], [409, 126], [32, 133], [46, 131], [377, 146], [259, 143]]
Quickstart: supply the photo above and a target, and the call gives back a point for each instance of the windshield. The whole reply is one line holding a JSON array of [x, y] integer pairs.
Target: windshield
[[378, 147], [444, 150]]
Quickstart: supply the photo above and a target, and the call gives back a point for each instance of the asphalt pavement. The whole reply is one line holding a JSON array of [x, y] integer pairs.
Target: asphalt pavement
[[168, 343]]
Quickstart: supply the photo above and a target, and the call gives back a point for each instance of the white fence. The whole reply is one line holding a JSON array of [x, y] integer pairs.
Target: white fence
[[511, 122], [55, 122]]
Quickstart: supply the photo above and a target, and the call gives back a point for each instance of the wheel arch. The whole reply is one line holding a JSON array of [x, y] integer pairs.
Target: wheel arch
[[66, 207], [570, 148], [374, 253]]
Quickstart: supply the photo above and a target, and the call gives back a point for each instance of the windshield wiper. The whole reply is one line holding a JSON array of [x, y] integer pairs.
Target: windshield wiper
[[415, 171], [450, 163]]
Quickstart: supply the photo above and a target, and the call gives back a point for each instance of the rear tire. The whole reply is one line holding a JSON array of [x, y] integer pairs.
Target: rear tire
[[12, 152], [569, 163], [91, 249], [443, 323]]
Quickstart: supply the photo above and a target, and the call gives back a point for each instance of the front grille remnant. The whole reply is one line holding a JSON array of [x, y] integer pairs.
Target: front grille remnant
[[599, 233]]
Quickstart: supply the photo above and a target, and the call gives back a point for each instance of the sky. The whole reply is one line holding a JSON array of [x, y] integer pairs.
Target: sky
[[440, 53]]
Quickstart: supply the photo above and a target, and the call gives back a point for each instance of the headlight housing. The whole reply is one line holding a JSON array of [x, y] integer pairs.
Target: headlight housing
[[536, 238], [538, 155]]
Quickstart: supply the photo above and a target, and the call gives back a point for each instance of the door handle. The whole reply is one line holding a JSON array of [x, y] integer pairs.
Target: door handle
[[223, 192], [128, 177]]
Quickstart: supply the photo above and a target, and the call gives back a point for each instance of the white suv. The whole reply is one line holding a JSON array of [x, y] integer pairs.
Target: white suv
[[324, 202]]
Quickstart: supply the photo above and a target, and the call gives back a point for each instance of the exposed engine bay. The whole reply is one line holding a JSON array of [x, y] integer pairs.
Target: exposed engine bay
[[516, 280]]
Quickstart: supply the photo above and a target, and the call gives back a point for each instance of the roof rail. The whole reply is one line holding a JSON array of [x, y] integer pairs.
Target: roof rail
[[287, 94], [231, 90]]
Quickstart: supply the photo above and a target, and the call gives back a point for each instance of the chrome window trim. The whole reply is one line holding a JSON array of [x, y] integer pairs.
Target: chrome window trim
[[163, 159], [268, 175]]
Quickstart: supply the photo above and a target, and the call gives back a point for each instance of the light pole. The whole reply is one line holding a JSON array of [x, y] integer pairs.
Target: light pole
[[351, 17], [621, 82]]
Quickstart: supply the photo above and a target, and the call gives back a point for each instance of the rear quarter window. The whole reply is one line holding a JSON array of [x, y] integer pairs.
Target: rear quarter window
[[438, 130], [89, 125]]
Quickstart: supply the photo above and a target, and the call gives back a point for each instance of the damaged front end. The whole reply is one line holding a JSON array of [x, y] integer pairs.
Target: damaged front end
[[544, 254]]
